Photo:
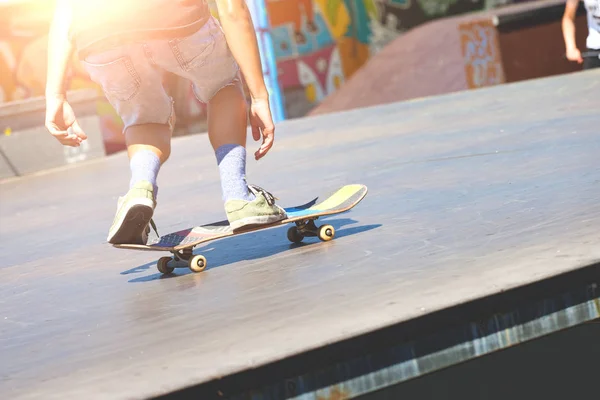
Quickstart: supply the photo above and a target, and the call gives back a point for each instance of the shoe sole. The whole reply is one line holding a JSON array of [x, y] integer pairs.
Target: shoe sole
[[254, 221], [132, 226]]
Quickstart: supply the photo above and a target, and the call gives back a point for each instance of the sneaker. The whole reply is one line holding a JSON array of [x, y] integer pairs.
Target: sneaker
[[260, 211], [134, 214]]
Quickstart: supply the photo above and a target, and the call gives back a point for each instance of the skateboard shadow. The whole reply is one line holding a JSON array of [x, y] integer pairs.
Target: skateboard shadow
[[247, 247]]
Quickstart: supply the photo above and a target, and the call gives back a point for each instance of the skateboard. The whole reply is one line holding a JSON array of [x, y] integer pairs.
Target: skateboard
[[181, 244]]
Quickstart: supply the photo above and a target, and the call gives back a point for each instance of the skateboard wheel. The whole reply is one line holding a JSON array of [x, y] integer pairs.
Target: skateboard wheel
[[326, 233], [294, 235], [197, 263], [163, 265]]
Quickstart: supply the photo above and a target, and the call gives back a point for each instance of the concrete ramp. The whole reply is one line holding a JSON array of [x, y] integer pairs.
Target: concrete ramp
[[470, 51], [479, 233]]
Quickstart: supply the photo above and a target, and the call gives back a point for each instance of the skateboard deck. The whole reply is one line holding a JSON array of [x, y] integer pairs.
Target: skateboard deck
[[182, 243]]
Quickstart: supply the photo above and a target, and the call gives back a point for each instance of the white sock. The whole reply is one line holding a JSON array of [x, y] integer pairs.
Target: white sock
[[144, 165]]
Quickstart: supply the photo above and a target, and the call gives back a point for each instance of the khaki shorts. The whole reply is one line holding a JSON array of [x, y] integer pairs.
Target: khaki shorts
[[131, 75]]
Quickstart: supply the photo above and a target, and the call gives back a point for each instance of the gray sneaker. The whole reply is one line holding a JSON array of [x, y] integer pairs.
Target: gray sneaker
[[260, 211], [134, 214]]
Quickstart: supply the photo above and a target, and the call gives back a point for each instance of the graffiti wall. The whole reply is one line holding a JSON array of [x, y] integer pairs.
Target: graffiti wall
[[481, 52], [321, 43], [318, 44]]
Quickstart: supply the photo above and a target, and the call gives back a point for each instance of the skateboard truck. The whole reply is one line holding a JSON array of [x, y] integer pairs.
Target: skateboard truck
[[197, 263], [307, 228], [181, 259]]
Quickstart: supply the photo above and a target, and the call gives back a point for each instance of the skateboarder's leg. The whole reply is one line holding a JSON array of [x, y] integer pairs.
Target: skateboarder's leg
[[148, 147], [133, 86], [227, 126], [205, 59], [227, 121]]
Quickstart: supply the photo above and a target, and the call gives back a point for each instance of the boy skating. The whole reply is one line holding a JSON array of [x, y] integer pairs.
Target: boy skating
[[126, 46]]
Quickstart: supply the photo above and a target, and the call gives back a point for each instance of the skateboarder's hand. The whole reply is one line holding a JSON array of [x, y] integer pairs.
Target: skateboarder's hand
[[573, 54], [262, 126], [61, 122]]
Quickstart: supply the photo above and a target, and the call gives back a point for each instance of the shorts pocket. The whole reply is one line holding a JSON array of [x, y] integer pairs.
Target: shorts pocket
[[191, 51], [118, 78]]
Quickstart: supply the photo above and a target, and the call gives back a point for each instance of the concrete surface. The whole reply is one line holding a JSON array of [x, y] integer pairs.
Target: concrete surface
[[467, 51], [470, 194], [30, 148]]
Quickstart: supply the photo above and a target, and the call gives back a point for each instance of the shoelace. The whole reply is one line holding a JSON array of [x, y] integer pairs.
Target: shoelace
[[153, 225], [253, 188], [257, 189]]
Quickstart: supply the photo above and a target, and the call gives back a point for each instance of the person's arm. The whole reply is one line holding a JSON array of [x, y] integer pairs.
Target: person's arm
[[60, 49], [60, 118], [568, 28], [239, 32]]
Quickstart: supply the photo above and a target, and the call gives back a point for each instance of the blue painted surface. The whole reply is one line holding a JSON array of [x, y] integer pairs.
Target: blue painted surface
[[282, 42], [298, 210], [301, 213], [309, 46], [359, 26], [323, 36]]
